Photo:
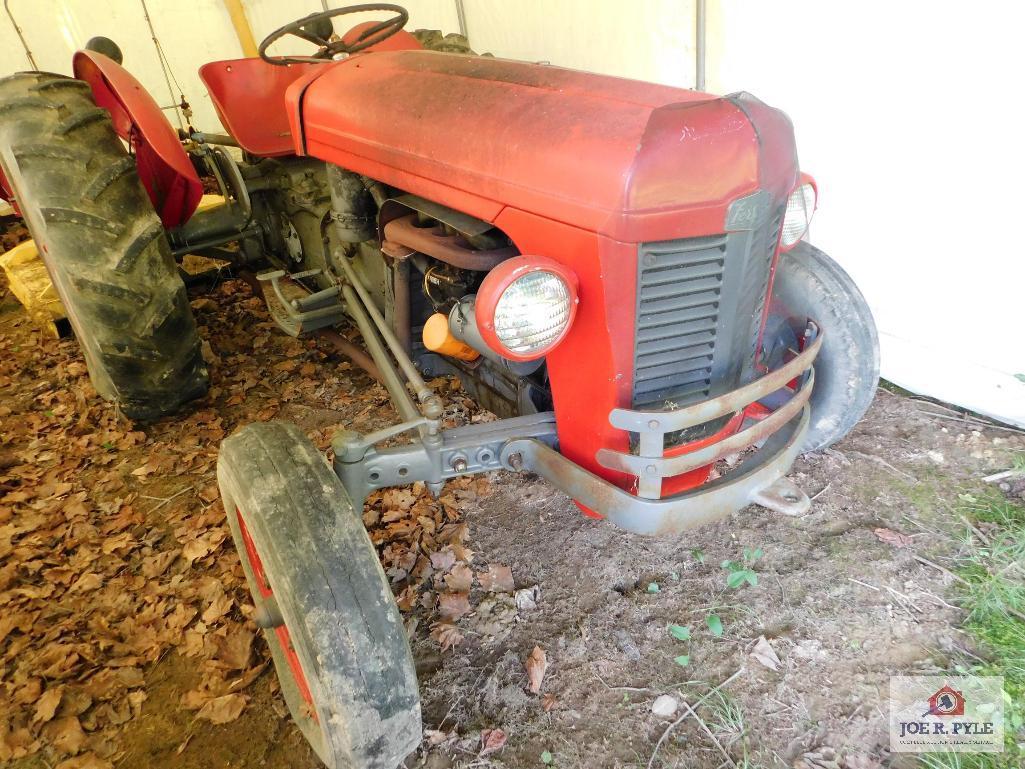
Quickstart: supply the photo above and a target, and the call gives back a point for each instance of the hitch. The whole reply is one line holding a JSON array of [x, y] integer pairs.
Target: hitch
[[363, 466]]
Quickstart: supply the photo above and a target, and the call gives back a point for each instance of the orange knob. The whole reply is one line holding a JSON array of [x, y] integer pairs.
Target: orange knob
[[438, 338]]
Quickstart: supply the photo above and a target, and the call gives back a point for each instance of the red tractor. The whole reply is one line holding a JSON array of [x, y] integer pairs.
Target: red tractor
[[615, 268]]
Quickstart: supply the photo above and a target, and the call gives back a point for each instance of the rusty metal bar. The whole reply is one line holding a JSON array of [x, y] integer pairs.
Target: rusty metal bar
[[444, 247], [352, 352], [428, 398], [389, 376], [672, 515], [727, 403], [662, 467]]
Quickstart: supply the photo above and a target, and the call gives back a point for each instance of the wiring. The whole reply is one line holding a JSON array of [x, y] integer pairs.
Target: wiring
[[21, 36], [165, 66]]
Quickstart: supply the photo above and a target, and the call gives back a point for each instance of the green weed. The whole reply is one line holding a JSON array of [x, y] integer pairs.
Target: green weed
[[992, 567]]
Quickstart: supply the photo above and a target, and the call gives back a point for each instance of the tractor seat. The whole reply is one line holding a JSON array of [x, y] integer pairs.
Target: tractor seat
[[249, 96]]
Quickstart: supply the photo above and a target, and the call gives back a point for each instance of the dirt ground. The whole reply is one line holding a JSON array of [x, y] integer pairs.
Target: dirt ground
[[124, 631]]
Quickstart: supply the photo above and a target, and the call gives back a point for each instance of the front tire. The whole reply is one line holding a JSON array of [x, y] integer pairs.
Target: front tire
[[808, 284], [102, 243], [334, 631]]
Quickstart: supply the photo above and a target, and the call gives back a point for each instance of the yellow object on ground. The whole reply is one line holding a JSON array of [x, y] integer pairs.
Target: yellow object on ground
[[438, 338], [210, 201], [31, 284]]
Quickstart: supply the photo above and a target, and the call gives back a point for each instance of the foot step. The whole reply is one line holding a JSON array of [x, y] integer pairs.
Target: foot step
[[296, 309]]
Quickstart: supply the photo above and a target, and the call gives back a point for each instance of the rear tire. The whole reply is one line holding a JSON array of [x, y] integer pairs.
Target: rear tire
[[808, 284], [340, 650], [102, 242]]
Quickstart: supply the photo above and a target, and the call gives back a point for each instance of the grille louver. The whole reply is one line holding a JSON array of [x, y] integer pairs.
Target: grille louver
[[678, 303], [699, 307]]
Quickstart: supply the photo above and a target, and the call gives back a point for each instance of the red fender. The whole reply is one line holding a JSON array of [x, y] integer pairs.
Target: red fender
[[7, 194], [164, 167]]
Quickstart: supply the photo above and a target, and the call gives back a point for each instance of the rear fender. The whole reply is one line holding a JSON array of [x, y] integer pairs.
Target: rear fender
[[164, 167]]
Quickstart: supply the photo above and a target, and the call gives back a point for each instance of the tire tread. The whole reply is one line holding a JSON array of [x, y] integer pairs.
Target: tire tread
[[103, 244]]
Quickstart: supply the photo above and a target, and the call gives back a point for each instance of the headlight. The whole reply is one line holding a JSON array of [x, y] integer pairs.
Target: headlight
[[525, 306], [800, 207]]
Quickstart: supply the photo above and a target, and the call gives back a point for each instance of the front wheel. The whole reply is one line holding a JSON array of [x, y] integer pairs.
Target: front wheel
[[334, 631], [808, 284]]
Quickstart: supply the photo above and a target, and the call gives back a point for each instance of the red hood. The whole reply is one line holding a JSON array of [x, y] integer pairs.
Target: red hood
[[630, 160]]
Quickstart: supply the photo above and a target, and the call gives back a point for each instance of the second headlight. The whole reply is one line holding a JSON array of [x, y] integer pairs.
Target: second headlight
[[800, 207]]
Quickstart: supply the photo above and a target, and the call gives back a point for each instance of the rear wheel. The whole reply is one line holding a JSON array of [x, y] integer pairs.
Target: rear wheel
[[808, 284], [334, 631], [102, 243]]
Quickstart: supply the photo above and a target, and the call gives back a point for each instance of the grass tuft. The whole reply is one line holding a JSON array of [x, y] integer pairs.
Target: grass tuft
[[994, 596]]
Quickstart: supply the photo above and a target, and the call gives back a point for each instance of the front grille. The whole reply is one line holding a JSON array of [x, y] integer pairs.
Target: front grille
[[699, 308], [678, 292]]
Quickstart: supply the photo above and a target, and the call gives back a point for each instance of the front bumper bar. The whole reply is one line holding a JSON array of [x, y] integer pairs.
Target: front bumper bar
[[754, 481], [528, 443]]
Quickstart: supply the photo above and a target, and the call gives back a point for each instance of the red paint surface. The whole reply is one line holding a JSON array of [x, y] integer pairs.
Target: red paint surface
[[164, 168], [284, 639], [6, 193], [249, 96], [577, 167], [400, 41]]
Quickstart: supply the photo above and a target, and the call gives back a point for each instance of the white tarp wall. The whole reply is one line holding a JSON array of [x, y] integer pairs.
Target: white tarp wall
[[906, 113]]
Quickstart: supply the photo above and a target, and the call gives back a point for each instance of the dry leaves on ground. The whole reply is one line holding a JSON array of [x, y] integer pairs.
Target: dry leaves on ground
[[765, 654], [114, 548], [537, 665], [491, 740], [891, 537]]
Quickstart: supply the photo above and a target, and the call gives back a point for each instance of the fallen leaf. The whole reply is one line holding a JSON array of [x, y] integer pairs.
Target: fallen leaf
[[443, 559], [453, 605], [204, 303], [537, 664], [447, 635], [765, 654], [894, 538], [17, 743], [155, 565], [491, 740], [548, 702], [196, 548], [85, 761], [437, 737], [65, 734], [497, 579], [235, 649], [150, 467], [218, 607], [248, 677], [222, 710], [87, 582], [47, 704], [459, 579]]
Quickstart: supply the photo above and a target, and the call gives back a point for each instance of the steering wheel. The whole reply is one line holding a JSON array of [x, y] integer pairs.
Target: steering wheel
[[317, 29]]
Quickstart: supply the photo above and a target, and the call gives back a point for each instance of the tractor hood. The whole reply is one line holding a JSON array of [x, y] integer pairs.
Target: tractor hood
[[630, 160]]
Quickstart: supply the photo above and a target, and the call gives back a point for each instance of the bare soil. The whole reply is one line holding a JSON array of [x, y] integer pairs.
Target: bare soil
[[153, 661]]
